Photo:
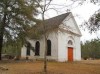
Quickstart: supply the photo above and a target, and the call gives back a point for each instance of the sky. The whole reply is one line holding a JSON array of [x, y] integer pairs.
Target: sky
[[80, 12]]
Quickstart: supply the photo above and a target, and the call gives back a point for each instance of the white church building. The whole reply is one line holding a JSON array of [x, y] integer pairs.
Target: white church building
[[62, 45]]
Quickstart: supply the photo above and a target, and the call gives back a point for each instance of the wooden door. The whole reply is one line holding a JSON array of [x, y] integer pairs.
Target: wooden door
[[70, 54]]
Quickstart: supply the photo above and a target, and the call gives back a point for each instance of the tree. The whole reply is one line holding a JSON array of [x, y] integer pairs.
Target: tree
[[82, 1], [42, 30], [91, 49], [93, 24], [15, 18], [12, 47], [44, 6]]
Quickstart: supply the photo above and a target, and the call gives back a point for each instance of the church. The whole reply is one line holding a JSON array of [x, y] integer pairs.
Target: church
[[63, 45]]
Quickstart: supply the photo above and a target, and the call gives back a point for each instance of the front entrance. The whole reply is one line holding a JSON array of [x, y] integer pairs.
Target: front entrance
[[70, 54]]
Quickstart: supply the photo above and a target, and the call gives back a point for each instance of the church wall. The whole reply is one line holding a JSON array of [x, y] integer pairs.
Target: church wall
[[54, 46], [62, 47], [69, 24], [77, 49], [63, 39], [23, 52]]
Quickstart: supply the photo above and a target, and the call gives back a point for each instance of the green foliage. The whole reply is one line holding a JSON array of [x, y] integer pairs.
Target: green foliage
[[19, 16], [13, 47], [91, 49], [93, 23], [16, 17]]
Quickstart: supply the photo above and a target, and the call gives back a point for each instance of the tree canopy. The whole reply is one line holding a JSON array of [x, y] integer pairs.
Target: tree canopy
[[93, 24], [16, 16], [91, 49], [19, 15]]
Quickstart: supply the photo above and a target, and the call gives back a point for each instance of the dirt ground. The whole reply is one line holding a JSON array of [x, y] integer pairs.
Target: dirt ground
[[36, 67]]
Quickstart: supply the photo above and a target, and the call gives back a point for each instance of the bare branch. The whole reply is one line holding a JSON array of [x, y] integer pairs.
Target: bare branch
[[48, 4]]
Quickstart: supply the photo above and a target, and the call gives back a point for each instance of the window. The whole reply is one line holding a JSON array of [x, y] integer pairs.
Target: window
[[70, 42], [48, 48], [28, 48], [37, 48]]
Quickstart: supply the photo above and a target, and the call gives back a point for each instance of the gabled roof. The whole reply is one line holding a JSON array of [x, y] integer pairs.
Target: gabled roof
[[57, 20], [51, 24], [54, 22]]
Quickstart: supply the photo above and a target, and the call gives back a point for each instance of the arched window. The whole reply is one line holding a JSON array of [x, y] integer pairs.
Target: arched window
[[48, 48], [28, 46], [70, 42], [37, 48]]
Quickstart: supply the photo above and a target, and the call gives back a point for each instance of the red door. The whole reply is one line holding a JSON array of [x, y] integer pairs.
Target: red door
[[70, 54]]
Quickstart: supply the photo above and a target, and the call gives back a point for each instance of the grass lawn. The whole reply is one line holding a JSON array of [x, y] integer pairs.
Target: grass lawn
[[36, 67]]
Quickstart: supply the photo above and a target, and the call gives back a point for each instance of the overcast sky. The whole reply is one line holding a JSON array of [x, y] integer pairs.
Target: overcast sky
[[80, 12]]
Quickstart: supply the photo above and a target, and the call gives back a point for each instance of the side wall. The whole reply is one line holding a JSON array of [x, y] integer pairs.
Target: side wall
[[62, 47], [54, 46], [77, 49], [53, 37], [24, 51]]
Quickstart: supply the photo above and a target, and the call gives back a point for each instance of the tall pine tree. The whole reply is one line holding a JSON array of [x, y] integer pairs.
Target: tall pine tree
[[15, 17]]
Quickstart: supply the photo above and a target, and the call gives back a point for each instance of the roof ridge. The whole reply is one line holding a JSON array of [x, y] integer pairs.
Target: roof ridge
[[59, 15]]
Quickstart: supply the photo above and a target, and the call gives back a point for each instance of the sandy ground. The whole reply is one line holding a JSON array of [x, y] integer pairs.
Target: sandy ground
[[36, 67]]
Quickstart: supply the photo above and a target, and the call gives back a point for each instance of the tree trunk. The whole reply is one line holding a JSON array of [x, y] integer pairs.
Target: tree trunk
[[45, 56], [45, 41], [2, 27], [1, 42]]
